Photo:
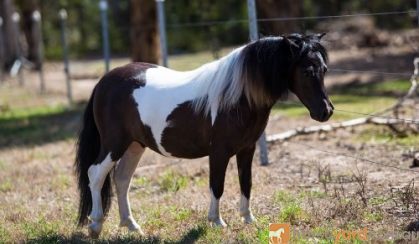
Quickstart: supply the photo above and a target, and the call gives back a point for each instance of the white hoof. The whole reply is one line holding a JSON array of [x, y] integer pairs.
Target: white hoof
[[131, 225], [217, 222], [94, 229], [248, 218]]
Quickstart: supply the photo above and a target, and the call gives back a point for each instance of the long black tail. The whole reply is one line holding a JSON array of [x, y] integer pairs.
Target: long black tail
[[88, 149]]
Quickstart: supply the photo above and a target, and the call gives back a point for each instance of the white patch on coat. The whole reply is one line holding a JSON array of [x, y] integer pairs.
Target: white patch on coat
[[97, 174], [323, 63], [205, 86], [214, 211], [245, 211], [244, 206]]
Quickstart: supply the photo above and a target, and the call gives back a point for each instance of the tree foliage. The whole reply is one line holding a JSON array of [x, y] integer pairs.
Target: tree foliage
[[85, 32]]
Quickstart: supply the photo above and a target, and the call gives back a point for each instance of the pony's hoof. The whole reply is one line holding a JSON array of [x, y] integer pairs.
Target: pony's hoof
[[94, 230], [132, 226], [218, 222], [248, 219]]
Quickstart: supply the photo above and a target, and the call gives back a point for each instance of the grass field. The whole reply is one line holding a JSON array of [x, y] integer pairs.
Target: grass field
[[318, 194]]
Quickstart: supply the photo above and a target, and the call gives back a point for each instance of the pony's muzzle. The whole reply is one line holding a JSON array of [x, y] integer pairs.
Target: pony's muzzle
[[324, 113]]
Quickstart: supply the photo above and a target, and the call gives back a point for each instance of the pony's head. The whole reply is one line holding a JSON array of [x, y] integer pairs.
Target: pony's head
[[297, 63], [307, 76]]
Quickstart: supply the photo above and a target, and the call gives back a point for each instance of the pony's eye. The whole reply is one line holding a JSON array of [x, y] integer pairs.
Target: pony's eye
[[309, 72]]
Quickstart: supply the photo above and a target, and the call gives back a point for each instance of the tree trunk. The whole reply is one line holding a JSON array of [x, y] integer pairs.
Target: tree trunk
[[278, 9], [10, 38], [31, 28], [144, 34]]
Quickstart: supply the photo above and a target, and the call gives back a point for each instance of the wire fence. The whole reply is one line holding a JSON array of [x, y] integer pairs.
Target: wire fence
[[372, 72], [370, 115], [240, 21]]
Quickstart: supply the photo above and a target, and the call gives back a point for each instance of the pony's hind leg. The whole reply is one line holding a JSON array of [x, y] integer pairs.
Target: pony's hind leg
[[97, 174], [123, 173], [244, 166]]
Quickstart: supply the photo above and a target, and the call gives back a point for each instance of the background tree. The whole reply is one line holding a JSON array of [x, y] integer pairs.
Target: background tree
[[31, 31], [275, 9], [144, 34], [10, 38]]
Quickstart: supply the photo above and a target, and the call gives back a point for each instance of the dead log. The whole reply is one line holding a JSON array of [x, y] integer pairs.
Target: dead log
[[330, 127]]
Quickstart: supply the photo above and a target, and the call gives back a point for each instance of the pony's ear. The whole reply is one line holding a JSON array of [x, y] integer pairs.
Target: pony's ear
[[319, 36]]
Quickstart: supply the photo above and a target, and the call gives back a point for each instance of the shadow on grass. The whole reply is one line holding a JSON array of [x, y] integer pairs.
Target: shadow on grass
[[190, 237], [39, 128]]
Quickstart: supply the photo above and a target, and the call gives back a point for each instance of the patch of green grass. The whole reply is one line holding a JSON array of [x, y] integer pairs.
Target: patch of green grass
[[355, 103], [180, 214], [6, 186], [378, 135], [382, 88], [283, 197], [263, 229], [155, 218], [61, 181], [25, 113], [362, 98], [2, 165], [293, 213], [172, 182], [313, 194], [214, 235], [141, 181], [41, 227], [377, 200], [4, 235], [373, 216], [37, 124], [201, 181], [291, 210]]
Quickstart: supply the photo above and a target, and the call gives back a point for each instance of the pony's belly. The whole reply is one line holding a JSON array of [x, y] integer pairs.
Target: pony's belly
[[181, 142], [187, 134]]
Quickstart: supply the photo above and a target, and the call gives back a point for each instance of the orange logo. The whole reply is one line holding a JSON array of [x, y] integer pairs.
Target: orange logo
[[279, 233]]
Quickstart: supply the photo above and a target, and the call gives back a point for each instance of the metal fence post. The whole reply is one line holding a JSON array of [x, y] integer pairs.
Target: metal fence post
[[36, 17], [253, 32], [103, 5], [17, 68], [63, 18], [162, 31], [1, 50]]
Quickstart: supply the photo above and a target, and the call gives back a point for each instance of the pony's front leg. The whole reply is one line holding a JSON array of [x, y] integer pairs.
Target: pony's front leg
[[218, 160], [244, 166], [123, 173], [97, 174]]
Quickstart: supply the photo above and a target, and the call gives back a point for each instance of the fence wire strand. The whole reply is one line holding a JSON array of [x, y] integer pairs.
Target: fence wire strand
[[237, 21], [406, 120], [370, 72]]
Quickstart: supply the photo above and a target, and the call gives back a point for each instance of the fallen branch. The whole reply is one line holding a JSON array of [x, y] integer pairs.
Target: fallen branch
[[330, 127]]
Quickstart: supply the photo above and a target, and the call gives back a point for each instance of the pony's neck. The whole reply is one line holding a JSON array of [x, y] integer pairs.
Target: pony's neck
[[221, 81], [267, 69]]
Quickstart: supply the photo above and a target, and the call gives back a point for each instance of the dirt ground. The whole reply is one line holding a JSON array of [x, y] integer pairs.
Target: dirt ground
[[310, 181]]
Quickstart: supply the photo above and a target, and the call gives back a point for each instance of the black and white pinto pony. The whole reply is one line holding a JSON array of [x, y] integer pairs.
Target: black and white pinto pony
[[218, 110]]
